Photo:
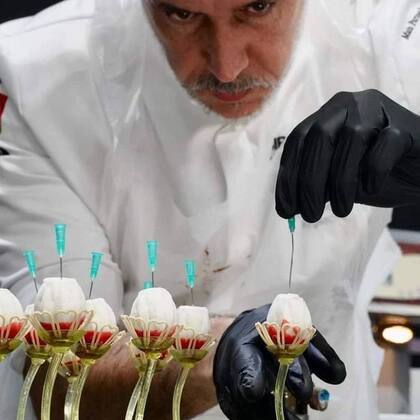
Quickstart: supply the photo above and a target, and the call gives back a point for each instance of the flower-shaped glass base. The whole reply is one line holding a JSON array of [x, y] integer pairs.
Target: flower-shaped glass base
[[36, 348], [285, 341], [152, 336], [96, 342], [190, 348], [61, 329], [11, 334]]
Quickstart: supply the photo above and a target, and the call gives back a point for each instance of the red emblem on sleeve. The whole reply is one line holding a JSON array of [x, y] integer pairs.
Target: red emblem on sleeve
[[3, 100]]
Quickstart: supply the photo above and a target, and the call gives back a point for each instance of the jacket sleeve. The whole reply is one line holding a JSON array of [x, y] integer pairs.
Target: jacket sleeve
[[395, 36], [33, 197]]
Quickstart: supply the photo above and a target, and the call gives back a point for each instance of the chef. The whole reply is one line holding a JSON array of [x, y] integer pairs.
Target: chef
[[167, 120]]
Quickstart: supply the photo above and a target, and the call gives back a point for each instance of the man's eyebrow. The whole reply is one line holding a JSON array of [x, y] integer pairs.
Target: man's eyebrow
[[169, 6]]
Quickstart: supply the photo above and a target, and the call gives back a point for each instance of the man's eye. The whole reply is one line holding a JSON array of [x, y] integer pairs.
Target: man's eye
[[179, 15], [259, 7]]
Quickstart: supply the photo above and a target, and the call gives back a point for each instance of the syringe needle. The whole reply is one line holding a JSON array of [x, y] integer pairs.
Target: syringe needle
[[192, 296], [91, 289], [36, 286], [292, 260], [292, 228]]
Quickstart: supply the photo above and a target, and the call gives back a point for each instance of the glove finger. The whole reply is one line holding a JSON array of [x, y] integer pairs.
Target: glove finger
[[239, 353], [318, 151], [392, 194], [345, 168], [254, 372], [391, 145], [299, 381], [286, 188], [226, 403], [324, 362]]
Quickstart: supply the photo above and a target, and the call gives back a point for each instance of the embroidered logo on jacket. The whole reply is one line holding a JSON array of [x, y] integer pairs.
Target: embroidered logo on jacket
[[412, 24], [3, 100], [278, 141]]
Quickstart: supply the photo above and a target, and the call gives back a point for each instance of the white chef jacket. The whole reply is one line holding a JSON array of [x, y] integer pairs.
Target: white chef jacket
[[102, 137]]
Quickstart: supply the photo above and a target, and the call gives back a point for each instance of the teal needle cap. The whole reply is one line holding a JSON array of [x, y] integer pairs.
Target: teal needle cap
[[190, 271], [148, 285], [95, 264], [60, 239], [324, 396], [30, 262], [292, 224], [152, 254]]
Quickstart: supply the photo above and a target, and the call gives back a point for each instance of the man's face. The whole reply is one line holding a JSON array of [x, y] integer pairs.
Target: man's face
[[228, 54]]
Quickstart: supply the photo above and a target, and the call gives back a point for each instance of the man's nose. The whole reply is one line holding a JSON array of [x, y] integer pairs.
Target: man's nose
[[226, 53]]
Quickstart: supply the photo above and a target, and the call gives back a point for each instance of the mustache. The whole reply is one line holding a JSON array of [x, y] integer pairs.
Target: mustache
[[241, 84]]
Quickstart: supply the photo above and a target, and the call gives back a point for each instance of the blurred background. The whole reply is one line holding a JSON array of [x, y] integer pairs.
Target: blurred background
[[395, 311]]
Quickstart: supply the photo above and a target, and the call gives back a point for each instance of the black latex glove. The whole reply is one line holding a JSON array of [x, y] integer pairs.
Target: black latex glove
[[245, 372], [358, 148]]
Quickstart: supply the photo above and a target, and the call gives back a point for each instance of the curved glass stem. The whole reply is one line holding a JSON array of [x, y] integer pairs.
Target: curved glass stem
[[179, 387], [49, 385], [70, 395], [134, 399], [279, 389], [26, 388], [144, 393], [80, 383]]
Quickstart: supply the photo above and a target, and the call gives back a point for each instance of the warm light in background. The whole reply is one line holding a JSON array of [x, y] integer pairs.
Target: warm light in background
[[398, 334]]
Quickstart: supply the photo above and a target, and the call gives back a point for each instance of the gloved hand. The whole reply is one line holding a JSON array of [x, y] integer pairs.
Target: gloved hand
[[245, 372], [358, 148]]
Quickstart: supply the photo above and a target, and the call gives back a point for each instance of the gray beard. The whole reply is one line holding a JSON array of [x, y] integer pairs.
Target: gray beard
[[238, 120]]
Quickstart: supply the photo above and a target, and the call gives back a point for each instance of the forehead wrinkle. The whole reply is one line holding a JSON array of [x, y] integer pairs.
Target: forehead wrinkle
[[208, 7]]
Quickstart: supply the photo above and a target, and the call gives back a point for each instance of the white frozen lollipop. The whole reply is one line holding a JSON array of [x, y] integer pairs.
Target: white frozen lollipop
[[290, 319], [62, 298], [10, 307], [103, 315], [155, 307], [103, 323], [290, 308], [195, 323], [11, 312]]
